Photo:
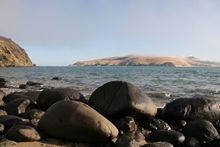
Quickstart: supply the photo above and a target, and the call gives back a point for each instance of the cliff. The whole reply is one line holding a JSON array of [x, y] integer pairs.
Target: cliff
[[134, 60], [11, 54]]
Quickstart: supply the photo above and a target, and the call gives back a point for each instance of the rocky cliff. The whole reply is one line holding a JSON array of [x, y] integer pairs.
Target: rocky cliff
[[11, 54], [134, 60]]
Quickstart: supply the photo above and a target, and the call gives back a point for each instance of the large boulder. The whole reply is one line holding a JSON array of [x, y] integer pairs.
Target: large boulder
[[50, 96], [77, 122], [119, 98], [192, 109], [202, 130]]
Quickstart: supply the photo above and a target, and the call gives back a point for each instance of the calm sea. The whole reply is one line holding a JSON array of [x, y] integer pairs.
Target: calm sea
[[161, 83]]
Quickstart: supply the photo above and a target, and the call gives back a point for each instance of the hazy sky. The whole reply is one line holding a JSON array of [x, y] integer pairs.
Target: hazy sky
[[60, 32]]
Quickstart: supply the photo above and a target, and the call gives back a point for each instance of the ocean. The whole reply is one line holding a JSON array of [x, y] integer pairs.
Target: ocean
[[161, 83]]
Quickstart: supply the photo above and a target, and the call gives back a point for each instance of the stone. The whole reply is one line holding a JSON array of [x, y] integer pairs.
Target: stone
[[127, 125], [57, 78], [34, 114], [202, 130], [2, 83], [192, 109], [174, 137], [118, 98], [140, 138], [2, 94], [159, 144], [13, 96], [21, 133], [76, 121], [9, 120], [192, 142], [31, 83], [2, 128], [50, 96], [3, 112], [7, 143], [18, 106], [157, 124], [125, 141]]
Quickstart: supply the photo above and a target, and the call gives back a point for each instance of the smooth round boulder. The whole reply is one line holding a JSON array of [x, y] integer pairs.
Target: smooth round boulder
[[76, 121], [119, 98], [192, 109], [174, 137], [50, 96], [159, 144], [18, 106], [22, 133], [202, 130]]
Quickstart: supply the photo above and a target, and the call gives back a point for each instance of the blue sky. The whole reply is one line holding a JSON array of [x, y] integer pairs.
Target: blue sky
[[56, 32]]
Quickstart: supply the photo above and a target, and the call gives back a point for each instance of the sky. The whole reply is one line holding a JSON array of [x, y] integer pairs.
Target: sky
[[61, 32]]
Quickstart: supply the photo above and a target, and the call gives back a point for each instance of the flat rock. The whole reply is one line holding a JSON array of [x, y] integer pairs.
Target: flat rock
[[174, 137], [119, 98], [192, 109], [159, 144], [21, 133], [50, 96], [77, 122], [202, 130]]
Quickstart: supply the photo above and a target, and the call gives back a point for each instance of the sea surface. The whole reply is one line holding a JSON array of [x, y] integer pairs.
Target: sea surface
[[161, 83]]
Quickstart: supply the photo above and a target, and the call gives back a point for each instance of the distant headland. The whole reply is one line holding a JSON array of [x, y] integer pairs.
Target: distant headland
[[11, 54], [139, 60]]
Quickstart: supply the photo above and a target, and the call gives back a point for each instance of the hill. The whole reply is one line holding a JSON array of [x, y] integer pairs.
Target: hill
[[11, 54]]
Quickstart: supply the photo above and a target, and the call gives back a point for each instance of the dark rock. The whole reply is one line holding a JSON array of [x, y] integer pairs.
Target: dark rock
[[33, 94], [118, 98], [77, 122], [2, 94], [2, 112], [34, 114], [2, 105], [21, 133], [31, 83], [22, 86], [159, 144], [202, 130], [13, 96], [192, 109], [127, 125], [18, 106], [57, 78], [2, 83], [9, 120], [157, 124], [125, 141], [2, 128], [140, 138], [50, 96], [192, 142], [174, 137], [214, 143]]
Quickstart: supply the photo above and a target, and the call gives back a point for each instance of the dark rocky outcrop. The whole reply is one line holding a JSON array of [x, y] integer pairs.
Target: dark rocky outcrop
[[11, 54]]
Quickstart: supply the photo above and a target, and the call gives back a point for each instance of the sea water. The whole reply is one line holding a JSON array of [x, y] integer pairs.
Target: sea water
[[161, 83]]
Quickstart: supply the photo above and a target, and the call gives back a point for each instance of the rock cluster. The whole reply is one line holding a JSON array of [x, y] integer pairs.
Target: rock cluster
[[118, 114]]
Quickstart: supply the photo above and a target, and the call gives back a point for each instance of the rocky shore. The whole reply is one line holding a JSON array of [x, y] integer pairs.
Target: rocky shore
[[116, 114]]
